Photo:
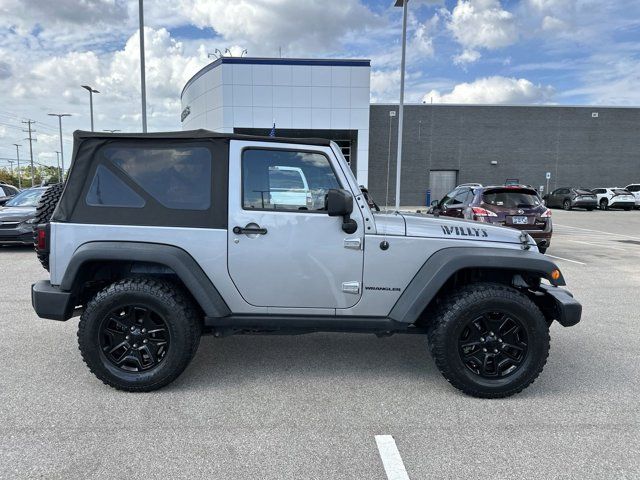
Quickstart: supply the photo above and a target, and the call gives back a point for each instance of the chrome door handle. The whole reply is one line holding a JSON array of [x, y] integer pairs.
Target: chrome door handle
[[249, 230]]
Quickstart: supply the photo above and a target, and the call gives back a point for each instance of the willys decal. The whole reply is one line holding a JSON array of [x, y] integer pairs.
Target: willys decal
[[464, 231]]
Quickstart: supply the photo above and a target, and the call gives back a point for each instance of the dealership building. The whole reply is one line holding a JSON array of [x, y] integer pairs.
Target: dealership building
[[443, 145]]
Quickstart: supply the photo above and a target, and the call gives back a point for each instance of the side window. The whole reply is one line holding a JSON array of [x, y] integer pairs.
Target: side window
[[107, 190], [2, 193], [448, 198], [285, 180], [460, 197], [177, 177]]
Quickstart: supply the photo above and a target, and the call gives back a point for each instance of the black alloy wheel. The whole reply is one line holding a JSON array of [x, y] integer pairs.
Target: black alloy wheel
[[493, 345], [567, 205], [134, 338]]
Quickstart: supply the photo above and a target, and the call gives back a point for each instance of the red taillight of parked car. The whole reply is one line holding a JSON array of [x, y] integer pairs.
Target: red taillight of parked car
[[546, 214], [482, 212]]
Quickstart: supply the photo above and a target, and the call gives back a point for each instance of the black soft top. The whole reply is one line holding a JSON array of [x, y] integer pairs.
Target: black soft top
[[80, 135]]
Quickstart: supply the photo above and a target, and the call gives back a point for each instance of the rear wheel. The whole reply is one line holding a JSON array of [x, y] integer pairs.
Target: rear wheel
[[139, 334], [489, 340], [604, 204], [44, 210], [567, 205]]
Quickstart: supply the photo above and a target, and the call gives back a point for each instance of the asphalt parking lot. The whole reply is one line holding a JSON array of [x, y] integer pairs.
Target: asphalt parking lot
[[310, 406]]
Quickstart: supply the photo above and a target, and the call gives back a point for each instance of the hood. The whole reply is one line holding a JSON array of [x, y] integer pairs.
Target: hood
[[427, 226], [16, 214]]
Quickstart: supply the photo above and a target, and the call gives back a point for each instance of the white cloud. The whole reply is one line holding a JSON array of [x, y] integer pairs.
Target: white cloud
[[467, 56], [298, 26], [384, 83], [493, 90], [480, 24]]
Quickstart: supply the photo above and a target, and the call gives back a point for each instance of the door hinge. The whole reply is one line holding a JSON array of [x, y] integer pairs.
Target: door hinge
[[354, 243], [351, 287]]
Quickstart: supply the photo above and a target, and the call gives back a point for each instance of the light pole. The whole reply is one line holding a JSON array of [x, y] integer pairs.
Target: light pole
[[143, 86], [58, 165], [91, 92], [18, 158], [60, 115], [403, 4]]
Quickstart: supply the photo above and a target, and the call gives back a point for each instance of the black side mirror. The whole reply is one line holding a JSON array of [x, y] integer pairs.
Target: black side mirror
[[340, 204]]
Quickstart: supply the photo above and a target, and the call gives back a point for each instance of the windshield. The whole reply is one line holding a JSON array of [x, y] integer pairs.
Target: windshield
[[510, 198], [28, 198]]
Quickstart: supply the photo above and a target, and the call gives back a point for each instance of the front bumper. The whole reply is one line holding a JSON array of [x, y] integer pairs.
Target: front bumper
[[21, 235], [561, 306], [50, 302]]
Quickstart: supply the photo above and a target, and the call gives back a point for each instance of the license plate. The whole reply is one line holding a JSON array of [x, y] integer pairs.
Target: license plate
[[520, 220]]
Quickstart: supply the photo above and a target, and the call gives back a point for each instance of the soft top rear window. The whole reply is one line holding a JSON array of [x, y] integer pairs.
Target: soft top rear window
[[511, 197]]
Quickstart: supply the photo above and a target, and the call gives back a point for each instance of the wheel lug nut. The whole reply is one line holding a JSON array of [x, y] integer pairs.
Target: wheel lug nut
[[145, 341], [482, 339], [127, 337], [500, 340], [135, 345], [484, 349], [491, 334], [144, 330], [495, 350], [132, 329]]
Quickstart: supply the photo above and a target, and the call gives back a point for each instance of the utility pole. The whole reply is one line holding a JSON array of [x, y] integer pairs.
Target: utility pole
[[11, 166], [60, 115], [31, 140], [18, 158], [58, 164], [143, 86]]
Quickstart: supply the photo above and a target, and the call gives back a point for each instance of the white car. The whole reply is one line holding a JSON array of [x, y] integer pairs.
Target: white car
[[614, 197], [634, 188]]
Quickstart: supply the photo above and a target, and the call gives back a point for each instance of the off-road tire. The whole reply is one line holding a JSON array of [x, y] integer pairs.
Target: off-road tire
[[180, 314], [542, 249], [44, 210], [604, 204], [455, 311], [566, 205]]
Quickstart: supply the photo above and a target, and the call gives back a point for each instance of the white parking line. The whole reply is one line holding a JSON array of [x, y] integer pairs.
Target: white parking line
[[391, 459], [600, 244], [597, 231], [565, 259]]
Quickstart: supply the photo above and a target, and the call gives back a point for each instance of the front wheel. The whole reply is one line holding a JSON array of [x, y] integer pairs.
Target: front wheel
[[567, 205], [489, 340], [139, 334], [604, 204]]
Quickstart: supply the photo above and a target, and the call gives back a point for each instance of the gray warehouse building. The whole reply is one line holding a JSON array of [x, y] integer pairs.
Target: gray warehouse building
[[449, 144], [443, 145]]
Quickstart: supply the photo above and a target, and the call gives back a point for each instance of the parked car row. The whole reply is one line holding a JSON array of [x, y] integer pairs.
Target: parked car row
[[603, 198]]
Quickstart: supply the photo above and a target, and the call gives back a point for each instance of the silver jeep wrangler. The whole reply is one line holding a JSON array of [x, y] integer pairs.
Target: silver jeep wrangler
[[156, 239]]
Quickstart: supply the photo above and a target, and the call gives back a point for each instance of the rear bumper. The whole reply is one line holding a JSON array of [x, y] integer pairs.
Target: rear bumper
[[585, 203], [561, 305], [625, 204], [50, 302]]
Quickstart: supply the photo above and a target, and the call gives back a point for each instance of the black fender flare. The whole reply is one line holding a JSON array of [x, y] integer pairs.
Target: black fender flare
[[175, 258], [440, 266]]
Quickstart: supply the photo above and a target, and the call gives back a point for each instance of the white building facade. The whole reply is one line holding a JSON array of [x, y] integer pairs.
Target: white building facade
[[303, 97]]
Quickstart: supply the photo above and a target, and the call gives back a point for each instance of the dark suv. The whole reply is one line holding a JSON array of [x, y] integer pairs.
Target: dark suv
[[515, 206], [569, 197]]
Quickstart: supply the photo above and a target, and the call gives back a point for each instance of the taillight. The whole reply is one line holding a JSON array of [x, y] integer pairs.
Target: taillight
[[42, 238], [546, 214], [482, 212]]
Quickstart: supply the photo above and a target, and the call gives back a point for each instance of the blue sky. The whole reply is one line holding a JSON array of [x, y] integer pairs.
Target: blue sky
[[460, 51]]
